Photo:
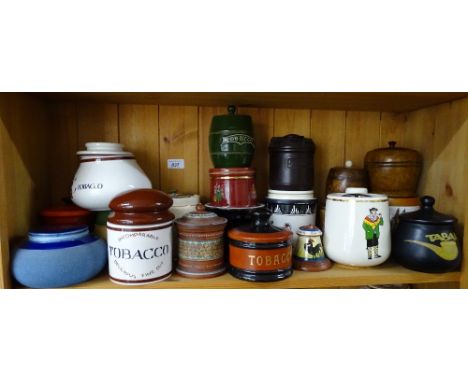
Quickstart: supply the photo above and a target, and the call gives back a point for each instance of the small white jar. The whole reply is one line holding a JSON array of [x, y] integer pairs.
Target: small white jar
[[357, 228], [105, 171], [183, 204], [292, 209]]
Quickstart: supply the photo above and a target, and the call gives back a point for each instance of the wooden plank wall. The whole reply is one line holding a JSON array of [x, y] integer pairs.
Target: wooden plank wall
[[24, 174], [158, 133]]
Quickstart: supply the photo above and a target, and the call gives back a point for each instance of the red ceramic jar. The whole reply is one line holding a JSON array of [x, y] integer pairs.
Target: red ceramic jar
[[232, 187], [66, 216]]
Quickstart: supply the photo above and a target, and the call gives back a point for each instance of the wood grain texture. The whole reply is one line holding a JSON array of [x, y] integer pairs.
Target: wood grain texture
[[327, 130], [64, 140], [292, 121], [362, 135], [24, 172], [97, 123], [139, 133], [392, 128], [334, 277], [262, 120], [205, 114], [178, 132]]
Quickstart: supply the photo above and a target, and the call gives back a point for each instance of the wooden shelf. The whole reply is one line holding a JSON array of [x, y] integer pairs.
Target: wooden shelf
[[391, 102], [388, 273]]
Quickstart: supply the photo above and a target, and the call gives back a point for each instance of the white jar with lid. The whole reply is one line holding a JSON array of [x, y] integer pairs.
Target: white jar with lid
[[105, 171], [357, 228], [183, 204]]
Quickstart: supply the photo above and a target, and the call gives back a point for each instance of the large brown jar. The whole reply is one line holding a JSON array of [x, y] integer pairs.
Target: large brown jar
[[394, 171], [201, 247], [139, 237]]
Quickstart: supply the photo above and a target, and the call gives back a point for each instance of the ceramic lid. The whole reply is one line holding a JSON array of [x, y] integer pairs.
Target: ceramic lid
[[65, 211], [103, 148], [427, 214], [393, 154], [231, 120], [290, 195], [141, 206], [357, 193], [181, 200], [309, 230], [260, 230], [200, 219], [291, 142]]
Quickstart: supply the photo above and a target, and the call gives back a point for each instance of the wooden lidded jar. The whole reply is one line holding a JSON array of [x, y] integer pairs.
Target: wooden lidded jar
[[340, 178], [201, 247], [231, 140], [291, 163], [260, 251], [394, 171], [139, 237]]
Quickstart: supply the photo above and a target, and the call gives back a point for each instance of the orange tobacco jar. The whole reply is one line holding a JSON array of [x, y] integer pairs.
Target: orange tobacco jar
[[260, 251]]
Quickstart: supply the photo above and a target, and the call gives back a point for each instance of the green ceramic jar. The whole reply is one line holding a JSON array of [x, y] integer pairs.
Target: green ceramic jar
[[231, 140]]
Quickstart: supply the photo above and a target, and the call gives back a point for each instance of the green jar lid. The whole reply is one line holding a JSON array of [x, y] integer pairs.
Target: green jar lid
[[231, 121]]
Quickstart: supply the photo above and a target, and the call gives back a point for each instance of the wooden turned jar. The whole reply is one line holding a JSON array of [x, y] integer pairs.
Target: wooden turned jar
[[139, 237], [260, 251], [394, 171], [340, 178], [201, 247]]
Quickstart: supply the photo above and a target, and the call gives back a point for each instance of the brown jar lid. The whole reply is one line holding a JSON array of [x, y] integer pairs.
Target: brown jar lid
[[140, 207], [393, 154], [403, 202], [201, 221], [260, 230], [65, 211]]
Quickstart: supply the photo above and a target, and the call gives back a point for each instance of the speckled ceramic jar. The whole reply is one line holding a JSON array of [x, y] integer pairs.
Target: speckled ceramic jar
[[201, 247]]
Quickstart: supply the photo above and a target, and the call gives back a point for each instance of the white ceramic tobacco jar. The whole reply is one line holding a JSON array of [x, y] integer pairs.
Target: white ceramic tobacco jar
[[105, 171], [357, 228]]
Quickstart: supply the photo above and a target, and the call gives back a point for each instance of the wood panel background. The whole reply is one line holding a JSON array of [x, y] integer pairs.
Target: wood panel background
[[39, 154]]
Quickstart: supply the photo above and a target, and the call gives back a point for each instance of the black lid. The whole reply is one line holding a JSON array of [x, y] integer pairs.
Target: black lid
[[427, 214], [292, 142]]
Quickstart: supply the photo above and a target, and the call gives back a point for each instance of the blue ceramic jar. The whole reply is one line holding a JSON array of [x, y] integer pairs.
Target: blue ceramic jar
[[58, 258]]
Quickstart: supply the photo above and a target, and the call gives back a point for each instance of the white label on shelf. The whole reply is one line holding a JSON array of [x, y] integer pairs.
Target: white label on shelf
[[175, 164]]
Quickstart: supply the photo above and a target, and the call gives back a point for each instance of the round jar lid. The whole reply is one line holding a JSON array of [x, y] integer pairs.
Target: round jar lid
[[290, 195], [50, 234], [103, 148], [140, 207], [357, 193], [201, 219], [393, 154], [260, 230], [181, 200], [309, 230], [427, 214], [231, 120], [65, 211], [291, 142]]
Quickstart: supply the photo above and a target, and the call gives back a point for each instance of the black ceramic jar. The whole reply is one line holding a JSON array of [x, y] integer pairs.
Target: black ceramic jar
[[426, 241], [291, 163]]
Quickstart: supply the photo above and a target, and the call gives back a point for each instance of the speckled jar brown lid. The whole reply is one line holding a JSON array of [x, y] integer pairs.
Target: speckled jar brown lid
[[201, 221]]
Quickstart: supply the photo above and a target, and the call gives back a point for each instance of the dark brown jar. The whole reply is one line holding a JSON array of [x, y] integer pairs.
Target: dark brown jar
[[291, 163], [260, 251], [139, 237], [394, 171], [201, 247], [340, 178]]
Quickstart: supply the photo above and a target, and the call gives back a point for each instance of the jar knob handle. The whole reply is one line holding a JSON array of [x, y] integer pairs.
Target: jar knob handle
[[392, 144], [427, 201], [231, 109]]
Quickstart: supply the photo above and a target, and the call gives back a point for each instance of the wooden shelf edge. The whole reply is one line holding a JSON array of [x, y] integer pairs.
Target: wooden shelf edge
[[332, 278]]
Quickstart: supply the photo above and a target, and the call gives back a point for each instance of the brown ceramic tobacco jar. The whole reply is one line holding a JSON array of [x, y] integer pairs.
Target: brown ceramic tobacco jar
[[394, 171], [201, 247], [260, 251], [340, 178]]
